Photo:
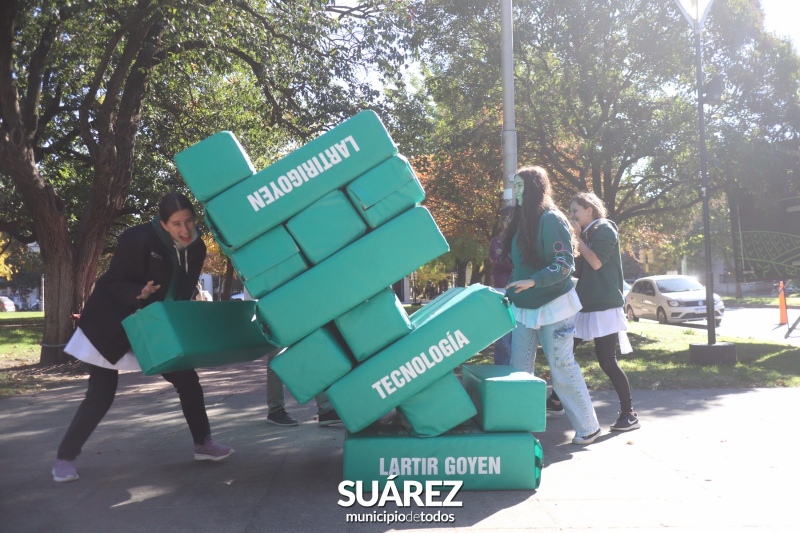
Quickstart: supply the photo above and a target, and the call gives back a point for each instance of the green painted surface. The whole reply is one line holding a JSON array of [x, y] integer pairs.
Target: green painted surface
[[483, 461], [311, 365], [326, 226], [275, 194], [168, 336], [373, 324], [350, 276], [214, 165], [386, 191], [507, 399], [438, 408], [470, 319], [268, 262]]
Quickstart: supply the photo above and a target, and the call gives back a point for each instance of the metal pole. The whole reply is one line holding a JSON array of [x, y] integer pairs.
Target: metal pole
[[509, 120], [710, 317]]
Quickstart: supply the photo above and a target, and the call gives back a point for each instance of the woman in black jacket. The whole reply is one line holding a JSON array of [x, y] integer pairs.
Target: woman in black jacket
[[153, 262]]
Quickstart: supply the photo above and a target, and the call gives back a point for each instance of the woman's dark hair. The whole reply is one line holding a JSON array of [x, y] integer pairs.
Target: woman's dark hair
[[536, 198], [588, 200], [171, 203]]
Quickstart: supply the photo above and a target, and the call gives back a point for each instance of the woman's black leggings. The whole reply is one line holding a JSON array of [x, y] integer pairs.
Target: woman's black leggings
[[606, 350], [100, 395]]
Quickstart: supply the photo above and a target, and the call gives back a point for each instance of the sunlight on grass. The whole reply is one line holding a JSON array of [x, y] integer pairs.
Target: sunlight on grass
[[660, 360]]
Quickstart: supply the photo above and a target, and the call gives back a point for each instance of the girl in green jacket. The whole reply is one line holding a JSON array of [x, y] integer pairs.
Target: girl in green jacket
[[539, 242]]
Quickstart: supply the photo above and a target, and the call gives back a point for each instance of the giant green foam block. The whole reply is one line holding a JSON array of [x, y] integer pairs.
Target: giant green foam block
[[268, 262], [386, 191], [374, 324], [326, 226], [471, 319], [439, 408], [169, 336], [214, 165], [309, 366], [507, 399], [288, 186], [483, 461], [350, 276]]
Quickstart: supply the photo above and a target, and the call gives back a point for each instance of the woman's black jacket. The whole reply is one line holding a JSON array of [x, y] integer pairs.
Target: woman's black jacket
[[143, 254]]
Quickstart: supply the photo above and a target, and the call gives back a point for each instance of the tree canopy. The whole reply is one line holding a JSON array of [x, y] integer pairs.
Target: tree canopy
[[97, 96]]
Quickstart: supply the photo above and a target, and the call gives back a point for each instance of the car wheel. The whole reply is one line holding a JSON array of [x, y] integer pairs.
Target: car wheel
[[718, 322], [662, 316], [631, 316]]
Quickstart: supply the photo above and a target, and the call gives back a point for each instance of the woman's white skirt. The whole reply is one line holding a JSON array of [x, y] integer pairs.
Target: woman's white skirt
[[80, 347], [596, 324]]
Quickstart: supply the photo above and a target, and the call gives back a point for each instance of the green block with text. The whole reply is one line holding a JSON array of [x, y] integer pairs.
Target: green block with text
[[500, 391], [438, 408], [214, 165], [283, 189], [170, 336], [326, 226], [350, 276], [482, 461], [386, 191], [311, 365], [373, 324], [470, 320], [268, 262]]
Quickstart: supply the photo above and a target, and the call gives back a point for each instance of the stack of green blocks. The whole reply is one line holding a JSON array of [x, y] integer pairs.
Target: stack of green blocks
[[317, 238]]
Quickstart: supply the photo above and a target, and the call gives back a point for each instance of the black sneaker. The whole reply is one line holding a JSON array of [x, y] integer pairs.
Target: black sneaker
[[626, 422], [330, 418], [554, 408], [280, 417]]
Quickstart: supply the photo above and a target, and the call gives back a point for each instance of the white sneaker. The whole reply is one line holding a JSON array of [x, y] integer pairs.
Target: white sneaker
[[64, 471], [588, 439]]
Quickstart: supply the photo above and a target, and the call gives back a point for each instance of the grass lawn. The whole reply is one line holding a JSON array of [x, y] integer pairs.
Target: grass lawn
[[660, 360], [20, 334], [792, 302]]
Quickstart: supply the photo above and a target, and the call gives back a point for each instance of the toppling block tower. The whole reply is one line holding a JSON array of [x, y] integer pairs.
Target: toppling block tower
[[318, 238]]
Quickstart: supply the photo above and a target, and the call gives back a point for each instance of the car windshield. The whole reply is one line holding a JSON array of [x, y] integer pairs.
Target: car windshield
[[678, 285]]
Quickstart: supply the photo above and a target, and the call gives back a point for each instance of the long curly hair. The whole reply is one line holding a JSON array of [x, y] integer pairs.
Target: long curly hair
[[536, 198]]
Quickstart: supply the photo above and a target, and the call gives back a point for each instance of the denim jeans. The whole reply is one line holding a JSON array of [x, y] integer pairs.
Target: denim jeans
[[502, 350], [556, 340]]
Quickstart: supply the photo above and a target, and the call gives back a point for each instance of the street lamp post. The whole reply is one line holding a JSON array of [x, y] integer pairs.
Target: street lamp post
[[696, 12], [509, 119]]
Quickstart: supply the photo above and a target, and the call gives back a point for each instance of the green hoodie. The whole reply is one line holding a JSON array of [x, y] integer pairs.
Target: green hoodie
[[601, 289], [554, 263]]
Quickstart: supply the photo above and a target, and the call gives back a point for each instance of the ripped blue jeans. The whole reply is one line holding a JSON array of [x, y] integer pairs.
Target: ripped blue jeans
[[556, 341]]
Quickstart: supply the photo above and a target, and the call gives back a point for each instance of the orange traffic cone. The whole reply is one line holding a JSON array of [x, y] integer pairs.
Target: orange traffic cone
[[782, 305]]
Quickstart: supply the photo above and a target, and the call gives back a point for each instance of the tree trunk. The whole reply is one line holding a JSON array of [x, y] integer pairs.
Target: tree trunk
[[461, 273], [227, 281], [58, 299]]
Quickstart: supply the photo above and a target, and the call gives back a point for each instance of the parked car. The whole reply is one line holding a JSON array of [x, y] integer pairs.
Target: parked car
[[670, 300], [6, 304]]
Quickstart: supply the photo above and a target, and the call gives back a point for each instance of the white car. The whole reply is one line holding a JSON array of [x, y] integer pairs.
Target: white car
[[670, 300], [6, 304]]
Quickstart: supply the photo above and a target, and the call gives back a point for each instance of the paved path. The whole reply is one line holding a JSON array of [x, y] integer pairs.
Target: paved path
[[704, 461]]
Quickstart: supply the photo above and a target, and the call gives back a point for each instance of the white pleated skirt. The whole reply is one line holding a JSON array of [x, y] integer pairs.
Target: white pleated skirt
[[596, 324], [80, 347]]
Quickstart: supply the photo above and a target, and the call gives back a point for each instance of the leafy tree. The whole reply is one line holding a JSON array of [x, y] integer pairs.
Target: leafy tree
[[85, 85], [605, 100]]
